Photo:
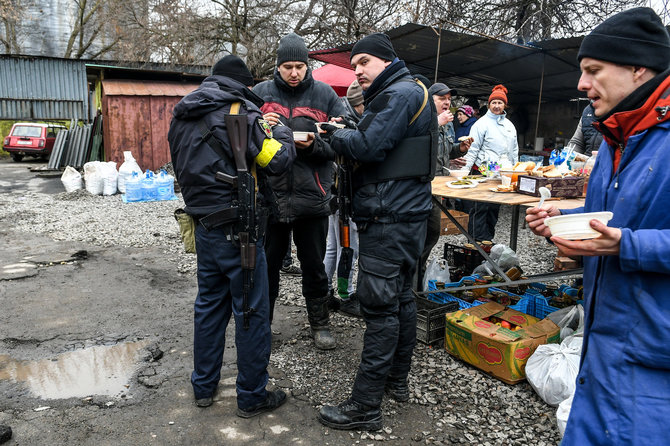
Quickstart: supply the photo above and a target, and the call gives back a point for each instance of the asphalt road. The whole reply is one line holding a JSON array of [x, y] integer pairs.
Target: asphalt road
[[96, 349]]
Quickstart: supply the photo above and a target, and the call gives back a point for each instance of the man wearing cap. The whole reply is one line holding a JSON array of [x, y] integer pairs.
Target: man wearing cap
[[200, 147], [623, 385], [447, 148], [393, 146], [302, 193]]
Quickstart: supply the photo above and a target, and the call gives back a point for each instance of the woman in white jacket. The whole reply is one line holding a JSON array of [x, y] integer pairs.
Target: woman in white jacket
[[494, 139]]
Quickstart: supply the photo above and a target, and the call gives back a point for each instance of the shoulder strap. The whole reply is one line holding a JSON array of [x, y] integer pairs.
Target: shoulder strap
[[423, 105], [211, 140]]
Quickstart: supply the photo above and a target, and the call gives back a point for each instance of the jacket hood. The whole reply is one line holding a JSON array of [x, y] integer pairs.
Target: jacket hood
[[213, 93]]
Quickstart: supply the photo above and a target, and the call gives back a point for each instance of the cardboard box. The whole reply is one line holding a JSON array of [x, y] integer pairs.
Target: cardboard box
[[497, 351], [447, 227], [559, 187]]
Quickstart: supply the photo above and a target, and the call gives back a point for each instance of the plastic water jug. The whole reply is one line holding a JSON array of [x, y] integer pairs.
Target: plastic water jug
[[149, 191], [164, 186], [134, 187]]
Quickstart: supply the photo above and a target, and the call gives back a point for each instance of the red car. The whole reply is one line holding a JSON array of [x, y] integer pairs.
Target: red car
[[31, 139]]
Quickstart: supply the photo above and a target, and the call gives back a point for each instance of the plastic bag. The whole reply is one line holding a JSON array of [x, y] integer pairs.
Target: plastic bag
[[437, 270], [93, 177], [126, 170], [503, 255], [569, 319], [563, 413], [71, 179], [109, 178], [552, 369]]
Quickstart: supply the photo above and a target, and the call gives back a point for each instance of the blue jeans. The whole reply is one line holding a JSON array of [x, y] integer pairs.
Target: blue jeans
[[220, 296]]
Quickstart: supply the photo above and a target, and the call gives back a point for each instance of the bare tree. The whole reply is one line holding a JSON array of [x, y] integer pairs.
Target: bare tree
[[11, 13]]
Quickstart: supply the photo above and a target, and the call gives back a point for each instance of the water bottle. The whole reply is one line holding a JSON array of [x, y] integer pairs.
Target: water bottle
[[164, 186], [149, 192], [134, 187]]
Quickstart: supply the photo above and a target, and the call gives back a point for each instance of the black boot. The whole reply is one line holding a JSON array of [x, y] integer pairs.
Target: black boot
[[317, 314], [333, 301], [397, 389], [351, 415], [351, 306], [273, 400]]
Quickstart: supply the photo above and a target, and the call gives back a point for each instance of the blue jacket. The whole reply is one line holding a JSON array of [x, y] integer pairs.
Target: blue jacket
[[464, 129], [303, 190], [623, 386], [196, 163], [390, 103]]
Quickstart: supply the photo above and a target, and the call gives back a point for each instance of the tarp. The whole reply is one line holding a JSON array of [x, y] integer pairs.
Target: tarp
[[336, 76], [473, 64]]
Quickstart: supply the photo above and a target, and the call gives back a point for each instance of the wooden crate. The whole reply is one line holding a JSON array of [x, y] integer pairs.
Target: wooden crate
[[448, 228]]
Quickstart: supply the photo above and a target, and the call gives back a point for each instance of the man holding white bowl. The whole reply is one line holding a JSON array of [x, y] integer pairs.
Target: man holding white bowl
[[623, 386]]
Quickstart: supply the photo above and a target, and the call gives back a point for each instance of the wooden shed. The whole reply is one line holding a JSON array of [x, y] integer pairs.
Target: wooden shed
[[136, 116]]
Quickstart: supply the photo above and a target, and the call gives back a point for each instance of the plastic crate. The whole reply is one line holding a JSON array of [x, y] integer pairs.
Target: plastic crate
[[515, 298], [430, 320], [461, 257], [445, 297], [534, 304]]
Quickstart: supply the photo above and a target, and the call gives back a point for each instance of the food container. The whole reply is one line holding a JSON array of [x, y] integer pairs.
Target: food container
[[576, 226], [458, 173], [512, 174], [300, 136]]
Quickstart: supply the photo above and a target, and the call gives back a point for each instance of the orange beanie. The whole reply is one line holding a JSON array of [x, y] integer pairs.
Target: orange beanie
[[499, 92]]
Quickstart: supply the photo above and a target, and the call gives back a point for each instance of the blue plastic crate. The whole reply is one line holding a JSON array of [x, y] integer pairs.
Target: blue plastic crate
[[534, 304], [445, 297]]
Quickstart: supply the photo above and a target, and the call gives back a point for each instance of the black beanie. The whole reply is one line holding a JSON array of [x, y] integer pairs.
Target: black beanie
[[233, 67], [291, 49], [635, 37], [377, 44]]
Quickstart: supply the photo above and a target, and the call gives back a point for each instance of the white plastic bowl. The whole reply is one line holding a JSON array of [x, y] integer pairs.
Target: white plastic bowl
[[458, 173], [576, 226]]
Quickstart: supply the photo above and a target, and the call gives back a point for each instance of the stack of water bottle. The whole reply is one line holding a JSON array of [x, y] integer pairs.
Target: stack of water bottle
[[149, 187]]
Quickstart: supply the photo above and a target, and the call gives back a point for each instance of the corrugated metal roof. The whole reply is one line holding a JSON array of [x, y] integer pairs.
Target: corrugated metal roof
[[146, 88], [37, 88]]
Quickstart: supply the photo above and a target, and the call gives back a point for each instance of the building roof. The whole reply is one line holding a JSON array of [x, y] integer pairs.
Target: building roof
[[115, 87]]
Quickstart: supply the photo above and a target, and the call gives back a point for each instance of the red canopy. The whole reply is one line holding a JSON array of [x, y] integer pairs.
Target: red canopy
[[337, 77]]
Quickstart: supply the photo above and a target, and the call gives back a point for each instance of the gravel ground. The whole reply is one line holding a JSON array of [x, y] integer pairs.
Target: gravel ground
[[466, 406]]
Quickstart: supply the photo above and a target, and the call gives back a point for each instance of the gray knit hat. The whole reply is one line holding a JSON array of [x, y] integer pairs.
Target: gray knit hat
[[291, 49], [355, 94]]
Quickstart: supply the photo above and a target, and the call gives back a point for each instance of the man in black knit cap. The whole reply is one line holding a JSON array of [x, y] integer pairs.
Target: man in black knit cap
[[200, 147], [622, 391], [394, 147], [302, 193]]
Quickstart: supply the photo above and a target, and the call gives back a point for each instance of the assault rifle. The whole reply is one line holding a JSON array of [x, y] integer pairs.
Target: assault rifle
[[246, 197], [344, 195]]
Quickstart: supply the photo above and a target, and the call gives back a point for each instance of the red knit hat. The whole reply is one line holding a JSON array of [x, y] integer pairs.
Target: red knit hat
[[499, 92]]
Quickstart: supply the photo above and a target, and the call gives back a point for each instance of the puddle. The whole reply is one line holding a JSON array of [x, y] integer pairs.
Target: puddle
[[101, 370]]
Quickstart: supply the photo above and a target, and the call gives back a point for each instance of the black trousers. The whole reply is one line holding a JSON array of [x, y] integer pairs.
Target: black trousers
[[388, 254], [309, 236], [483, 219]]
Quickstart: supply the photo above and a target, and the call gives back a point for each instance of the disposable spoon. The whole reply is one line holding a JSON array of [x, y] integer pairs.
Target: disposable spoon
[[544, 194]]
